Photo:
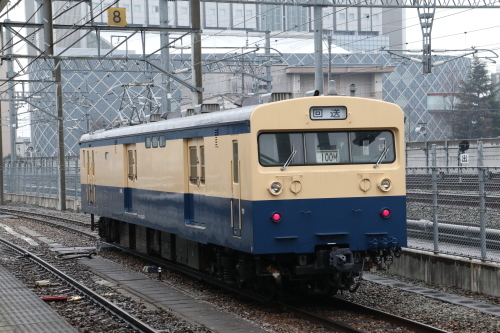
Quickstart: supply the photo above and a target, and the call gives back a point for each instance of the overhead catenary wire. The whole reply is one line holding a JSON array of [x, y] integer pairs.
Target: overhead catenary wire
[[291, 28]]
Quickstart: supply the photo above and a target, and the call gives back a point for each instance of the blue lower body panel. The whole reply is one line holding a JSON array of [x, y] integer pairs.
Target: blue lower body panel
[[305, 224]]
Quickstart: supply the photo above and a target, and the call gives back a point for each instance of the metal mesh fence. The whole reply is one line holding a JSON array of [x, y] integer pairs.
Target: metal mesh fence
[[453, 204], [455, 209], [39, 176]]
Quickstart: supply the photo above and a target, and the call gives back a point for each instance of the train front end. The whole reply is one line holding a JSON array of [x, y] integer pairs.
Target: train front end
[[328, 196]]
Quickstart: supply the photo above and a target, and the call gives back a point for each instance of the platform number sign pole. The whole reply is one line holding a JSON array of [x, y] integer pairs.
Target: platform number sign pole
[[117, 17]]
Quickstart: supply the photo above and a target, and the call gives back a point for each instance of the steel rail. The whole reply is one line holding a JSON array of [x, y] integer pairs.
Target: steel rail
[[382, 315], [117, 311], [16, 212], [364, 310]]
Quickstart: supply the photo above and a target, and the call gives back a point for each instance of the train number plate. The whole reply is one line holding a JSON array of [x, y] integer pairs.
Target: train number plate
[[328, 113], [327, 156]]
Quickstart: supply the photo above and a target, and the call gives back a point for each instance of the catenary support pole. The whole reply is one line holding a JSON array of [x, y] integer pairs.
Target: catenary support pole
[[482, 199], [269, 87], [318, 49], [435, 199], [196, 50], [12, 107], [49, 50], [165, 57]]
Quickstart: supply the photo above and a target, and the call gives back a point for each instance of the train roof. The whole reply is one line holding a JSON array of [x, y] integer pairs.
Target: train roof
[[202, 120]]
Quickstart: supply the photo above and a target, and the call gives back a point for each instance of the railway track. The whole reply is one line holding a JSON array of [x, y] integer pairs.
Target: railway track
[[352, 318], [362, 314], [123, 320]]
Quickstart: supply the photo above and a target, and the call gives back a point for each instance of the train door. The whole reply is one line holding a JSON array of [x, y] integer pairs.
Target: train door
[[89, 161], [196, 184], [236, 222], [130, 182]]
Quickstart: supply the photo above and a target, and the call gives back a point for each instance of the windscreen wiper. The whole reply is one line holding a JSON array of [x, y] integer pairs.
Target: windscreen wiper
[[381, 157], [289, 160]]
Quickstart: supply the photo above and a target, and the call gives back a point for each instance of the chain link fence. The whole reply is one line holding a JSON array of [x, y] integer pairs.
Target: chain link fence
[[453, 201], [39, 176]]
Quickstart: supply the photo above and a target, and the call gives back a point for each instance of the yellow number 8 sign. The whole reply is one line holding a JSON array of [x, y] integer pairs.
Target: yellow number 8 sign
[[117, 16]]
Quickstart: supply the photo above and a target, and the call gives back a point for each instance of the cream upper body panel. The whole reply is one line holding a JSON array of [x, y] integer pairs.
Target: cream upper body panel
[[328, 180], [165, 169]]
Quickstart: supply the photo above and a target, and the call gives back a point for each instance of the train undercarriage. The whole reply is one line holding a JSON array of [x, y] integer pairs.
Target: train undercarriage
[[329, 270]]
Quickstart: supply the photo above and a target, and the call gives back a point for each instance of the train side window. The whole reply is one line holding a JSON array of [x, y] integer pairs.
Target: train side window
[[193, 165], [235, 162], [132, 171], [83, 160], [154, 142], [202, 160], [162, 140], [148, 142]]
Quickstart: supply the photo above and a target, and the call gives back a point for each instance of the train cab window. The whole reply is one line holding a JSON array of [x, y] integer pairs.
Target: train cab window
[[277, 148], [162, 141], [369, 146], [148, 142], [202, 164], [193, 165], [154, 142], [327, 148], [310, 148]]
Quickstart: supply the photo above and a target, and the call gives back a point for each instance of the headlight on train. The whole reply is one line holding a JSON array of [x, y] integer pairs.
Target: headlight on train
[[275, 188], [385, 184]]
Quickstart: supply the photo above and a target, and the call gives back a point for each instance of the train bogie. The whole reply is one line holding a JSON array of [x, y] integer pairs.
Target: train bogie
[[307, 191]]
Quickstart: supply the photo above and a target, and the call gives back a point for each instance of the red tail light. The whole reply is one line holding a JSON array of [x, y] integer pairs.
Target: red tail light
[[385, 212], [276, 217]]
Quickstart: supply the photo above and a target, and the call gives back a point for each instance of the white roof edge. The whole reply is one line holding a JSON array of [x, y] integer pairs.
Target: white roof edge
[[213, 118]]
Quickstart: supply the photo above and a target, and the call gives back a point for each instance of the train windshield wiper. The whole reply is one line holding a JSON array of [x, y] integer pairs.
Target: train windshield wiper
[[381, 157], [289, 160]]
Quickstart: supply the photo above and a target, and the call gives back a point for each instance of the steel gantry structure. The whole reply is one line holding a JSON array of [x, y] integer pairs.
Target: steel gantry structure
[[36, 78]]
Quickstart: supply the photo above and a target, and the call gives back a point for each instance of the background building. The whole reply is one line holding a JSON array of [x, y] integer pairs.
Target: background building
[[98, 94]]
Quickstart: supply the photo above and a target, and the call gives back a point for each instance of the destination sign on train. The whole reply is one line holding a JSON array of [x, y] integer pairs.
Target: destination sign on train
[[328, 113]]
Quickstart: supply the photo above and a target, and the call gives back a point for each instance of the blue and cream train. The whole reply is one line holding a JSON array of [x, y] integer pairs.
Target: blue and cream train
[[303, 192]]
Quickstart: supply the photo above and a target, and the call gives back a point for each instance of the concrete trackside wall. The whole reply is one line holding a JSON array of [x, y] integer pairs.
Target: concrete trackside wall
[[47, 202], [473, 275]]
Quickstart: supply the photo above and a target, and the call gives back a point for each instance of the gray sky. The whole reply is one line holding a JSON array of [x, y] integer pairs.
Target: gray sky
[[482, 27]]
